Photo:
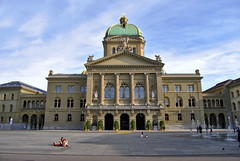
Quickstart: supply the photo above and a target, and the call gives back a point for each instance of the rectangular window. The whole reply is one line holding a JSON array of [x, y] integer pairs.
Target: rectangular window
[[58, 88], [2, 119], [190, 88], [177, 88], [165, 88], [70, 89], [12, 96], [179, 117]]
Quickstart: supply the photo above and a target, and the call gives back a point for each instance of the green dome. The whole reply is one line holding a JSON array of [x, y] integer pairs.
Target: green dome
[[118, 29]]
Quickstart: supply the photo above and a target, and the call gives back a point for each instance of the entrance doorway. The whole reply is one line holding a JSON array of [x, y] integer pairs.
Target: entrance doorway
[[34, 122], [140, 121], [108, 122], [124, 122]]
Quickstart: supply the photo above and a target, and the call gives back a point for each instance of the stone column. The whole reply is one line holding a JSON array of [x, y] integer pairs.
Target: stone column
[[116, 88], [147, 88], [159, 89], [89, 89], [29, 123], [217, 119], [37, 127], [132, 87], [102, 89]]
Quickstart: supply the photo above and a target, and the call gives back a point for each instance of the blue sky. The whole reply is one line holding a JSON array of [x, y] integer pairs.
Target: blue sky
[[41, 35]]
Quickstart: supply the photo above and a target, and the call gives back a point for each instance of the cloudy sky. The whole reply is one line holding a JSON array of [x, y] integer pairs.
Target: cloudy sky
[[39, 35]]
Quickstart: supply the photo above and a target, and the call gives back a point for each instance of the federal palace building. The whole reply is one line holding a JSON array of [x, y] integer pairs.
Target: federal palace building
[[122, 86]]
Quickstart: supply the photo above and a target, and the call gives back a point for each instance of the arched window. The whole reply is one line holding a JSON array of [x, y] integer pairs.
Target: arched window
[[121, 92], [11, 108], [217, 103], [234, 106], [29, 104], [109, 91], [213, 103], [42, 104], [221, 103], [166, 117], [209, 103], [179, 117], [12, 96], [70, 102], [192, 116], [124, 91], [82, 118], [204, 103], [85, 88], [24, 104], [81, 103], [4, 96], [3, 108], [37, 104], [191, 102], [33, 104], [82, 88], [238, 104], [57, 102], [166, 102], [69, 118], [238, 94], [112, 92], [136, 92], [179, 102], [113, 50], [56, 117], [232, 94], [134, 50], [106, 92], [139, 91]]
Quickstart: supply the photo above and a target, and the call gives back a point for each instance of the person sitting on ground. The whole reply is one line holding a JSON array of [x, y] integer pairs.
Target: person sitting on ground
[[65, 143], [143, 136], [62, 142]]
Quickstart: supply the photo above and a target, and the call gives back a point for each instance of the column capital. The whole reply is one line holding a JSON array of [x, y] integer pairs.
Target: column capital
[[117, 74], [146, 74], [102, 74], [132, 74]]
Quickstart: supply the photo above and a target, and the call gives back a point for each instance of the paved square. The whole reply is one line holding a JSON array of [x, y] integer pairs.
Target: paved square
[[116, 144]]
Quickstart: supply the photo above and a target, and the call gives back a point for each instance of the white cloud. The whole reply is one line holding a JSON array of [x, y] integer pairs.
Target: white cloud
[[35, 27], [214, 64]]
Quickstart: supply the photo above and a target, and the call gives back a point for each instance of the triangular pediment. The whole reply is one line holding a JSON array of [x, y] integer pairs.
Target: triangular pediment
[[124, 59]]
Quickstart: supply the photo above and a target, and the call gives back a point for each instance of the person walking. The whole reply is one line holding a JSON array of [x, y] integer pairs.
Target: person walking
[[238, 136], [200, 129]]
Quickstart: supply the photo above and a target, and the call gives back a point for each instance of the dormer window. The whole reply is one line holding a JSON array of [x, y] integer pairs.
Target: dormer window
[[113, 50]]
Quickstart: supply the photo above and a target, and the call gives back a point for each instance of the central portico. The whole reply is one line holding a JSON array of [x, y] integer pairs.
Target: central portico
[[123, 85]]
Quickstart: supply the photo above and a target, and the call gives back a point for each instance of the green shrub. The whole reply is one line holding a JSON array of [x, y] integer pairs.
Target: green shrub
[[88, 125], [162, 124], [100, 124], [116, 124], [133, 124], [149, 124]]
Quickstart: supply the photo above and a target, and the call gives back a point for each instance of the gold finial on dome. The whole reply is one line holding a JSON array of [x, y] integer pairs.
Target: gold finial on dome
[[123, 20]]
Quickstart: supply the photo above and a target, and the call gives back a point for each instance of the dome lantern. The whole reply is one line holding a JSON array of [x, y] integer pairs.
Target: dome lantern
[[123, 21]]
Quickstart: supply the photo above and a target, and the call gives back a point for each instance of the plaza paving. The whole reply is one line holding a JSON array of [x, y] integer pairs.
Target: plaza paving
[[17, 144]]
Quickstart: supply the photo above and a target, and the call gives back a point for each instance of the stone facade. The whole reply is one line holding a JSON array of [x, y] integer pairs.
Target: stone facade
[[122, 86]]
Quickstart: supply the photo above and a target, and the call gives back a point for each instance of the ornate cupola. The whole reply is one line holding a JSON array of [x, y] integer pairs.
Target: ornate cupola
[[123, 21], [123, 37]]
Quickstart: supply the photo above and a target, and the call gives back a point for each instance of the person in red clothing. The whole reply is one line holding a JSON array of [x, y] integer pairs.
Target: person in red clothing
[[61, 142]]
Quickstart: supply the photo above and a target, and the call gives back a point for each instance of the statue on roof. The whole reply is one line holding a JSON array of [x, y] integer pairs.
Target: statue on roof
[[90, 58]]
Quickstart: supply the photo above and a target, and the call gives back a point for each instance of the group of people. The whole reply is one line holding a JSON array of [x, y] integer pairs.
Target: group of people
[[62, 142]]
